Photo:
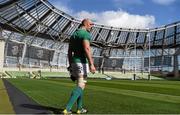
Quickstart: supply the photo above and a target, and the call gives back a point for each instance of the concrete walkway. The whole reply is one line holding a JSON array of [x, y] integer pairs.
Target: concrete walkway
[[21, 103], [5, 104]]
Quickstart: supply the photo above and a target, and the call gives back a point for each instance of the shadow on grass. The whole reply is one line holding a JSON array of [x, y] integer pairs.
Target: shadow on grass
[[52, 110], [169, 78]]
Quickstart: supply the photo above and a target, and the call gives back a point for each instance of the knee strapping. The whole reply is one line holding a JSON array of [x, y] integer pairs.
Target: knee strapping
[[81, 82], [81, 85]]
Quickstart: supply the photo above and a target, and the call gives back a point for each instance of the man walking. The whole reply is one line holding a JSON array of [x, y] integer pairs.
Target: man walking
[[80, 61]]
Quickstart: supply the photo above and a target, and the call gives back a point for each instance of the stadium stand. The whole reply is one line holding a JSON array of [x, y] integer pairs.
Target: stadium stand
[[34, 36]]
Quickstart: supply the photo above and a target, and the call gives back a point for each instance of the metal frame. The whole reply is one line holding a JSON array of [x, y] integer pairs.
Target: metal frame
[[42, 25]]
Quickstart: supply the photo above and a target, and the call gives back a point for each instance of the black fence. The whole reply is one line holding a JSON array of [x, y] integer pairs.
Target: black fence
[[34, 56], [113, 64]]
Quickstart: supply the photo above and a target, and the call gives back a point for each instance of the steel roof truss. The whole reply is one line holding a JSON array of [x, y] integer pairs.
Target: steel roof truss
[[53, 24], [122, 37]]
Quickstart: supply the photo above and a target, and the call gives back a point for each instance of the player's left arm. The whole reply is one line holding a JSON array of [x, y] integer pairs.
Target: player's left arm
[[87, 49], [70, 54]]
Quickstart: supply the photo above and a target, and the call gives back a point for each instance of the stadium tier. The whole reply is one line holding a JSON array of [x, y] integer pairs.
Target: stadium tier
[[35, 34]]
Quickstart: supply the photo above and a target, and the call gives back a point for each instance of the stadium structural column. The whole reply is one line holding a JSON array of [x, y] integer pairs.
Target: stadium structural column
[[102, 65], [149, 56], [58, 61], [135, 49], [23, 54], [142, 67], [2, 46], [176, 70]]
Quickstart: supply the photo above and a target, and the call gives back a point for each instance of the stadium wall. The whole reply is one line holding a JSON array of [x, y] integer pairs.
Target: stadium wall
[[2, 44]]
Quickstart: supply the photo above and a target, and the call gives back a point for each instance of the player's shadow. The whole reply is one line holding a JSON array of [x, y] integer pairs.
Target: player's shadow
[[50, 110]]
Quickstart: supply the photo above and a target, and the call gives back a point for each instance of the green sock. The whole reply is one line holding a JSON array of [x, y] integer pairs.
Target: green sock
[[74, 96], [80, 101]]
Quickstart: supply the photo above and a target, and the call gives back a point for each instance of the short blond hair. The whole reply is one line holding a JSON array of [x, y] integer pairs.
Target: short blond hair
[[84, 21]]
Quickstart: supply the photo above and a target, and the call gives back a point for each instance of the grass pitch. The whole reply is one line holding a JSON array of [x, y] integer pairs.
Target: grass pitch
[[107, 97]]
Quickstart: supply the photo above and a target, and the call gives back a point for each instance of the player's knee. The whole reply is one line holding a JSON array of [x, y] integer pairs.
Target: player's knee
[[81, 85]]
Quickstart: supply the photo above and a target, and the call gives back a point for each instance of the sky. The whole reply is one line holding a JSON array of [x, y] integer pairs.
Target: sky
[[123, 13]]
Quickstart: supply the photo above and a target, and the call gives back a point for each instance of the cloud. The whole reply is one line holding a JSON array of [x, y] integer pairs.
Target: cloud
[[164, 2], [62, 5], [119, 19]]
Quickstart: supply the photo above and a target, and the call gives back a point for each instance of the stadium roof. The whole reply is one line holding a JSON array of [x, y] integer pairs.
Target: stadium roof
[[40, 18]]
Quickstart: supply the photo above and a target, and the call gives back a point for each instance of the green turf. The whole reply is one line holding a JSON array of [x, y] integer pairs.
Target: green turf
[[45, 74], [25, 74], [55, 74], [107, 97]]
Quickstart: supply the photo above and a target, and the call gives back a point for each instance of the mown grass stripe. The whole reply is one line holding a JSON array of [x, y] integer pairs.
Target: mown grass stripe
[[5, 104], [167, 82], [146, 95], [132, 86], [145, 83], [168, 91], [172, 87]]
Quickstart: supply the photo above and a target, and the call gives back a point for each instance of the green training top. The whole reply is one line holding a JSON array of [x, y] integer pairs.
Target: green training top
[[77, 46]]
